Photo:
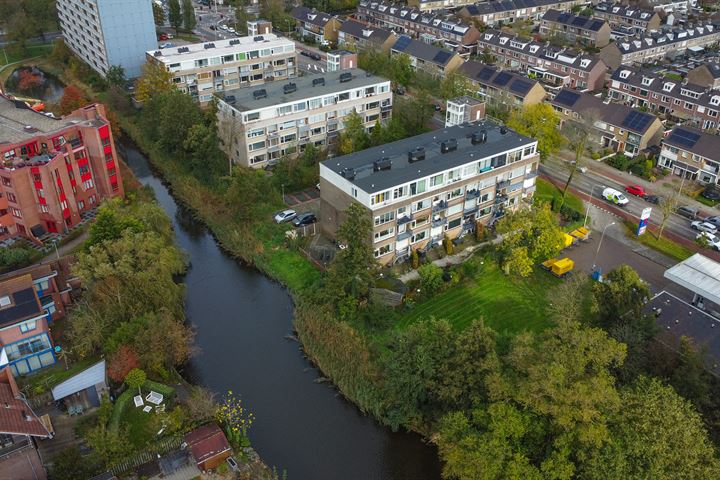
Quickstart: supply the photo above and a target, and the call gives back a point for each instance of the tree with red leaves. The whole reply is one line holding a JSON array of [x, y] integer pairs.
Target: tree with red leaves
[[29, 80], [121, 362], [72, 99]]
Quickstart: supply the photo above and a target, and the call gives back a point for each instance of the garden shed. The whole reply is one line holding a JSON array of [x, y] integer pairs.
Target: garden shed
[[84, 388]]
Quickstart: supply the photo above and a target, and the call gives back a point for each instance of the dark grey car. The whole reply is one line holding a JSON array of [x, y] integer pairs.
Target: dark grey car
[[688, 212]]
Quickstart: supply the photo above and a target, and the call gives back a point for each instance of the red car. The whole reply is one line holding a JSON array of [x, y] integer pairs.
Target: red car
[[636, 190], [163, 36]]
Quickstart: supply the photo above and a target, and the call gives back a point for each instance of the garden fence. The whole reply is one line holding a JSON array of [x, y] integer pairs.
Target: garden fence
[[159, 448]]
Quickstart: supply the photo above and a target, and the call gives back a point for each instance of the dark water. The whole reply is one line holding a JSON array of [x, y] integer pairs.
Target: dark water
[[241, 319], [49, 88]]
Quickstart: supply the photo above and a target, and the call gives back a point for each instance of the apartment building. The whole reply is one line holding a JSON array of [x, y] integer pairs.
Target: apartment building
[[502, 87], [204, 69], [53, 171], [652, 46], [464, 110], [679, 100], [320, 27], [575, 28], [496, 13], [706, 75], [258, 27], [260, 125], [105, 33], [617, 127], [637, 18], [554, 66], [419, 189], [362, 36], [434, 61], [692, 153], [19, 429], [452, 33]]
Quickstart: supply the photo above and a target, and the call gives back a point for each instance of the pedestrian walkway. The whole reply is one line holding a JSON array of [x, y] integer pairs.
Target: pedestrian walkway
[[448, 260]]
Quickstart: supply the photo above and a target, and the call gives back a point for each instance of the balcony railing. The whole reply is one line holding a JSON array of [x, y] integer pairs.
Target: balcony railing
[[440, 206], [501, 199], [531, 175], [503, 184], [405, 219], [470, 194], [439, 222], [404, 235]]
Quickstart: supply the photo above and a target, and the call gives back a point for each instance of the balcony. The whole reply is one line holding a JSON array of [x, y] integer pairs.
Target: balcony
[[405, 219], [439, 222], [501, 199], [404, 235], [503, 184], [531, 175], [470, 194], [75, 143], [440, 206], [385, 109]]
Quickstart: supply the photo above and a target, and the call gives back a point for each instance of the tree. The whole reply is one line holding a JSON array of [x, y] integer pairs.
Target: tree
[[178, 115], [188, 13], [116, 75], [455, 85], [175, 16], [135, 379], [70, 464], [430, 277], [538, 121], [657, 434], [620, 298], [72, 99], [110, 224], [578, 136], [158, 14], [29, 81], [353, 137], [154, 80], [121, 363], [201, 404], [530, 236], [377, 135], [667, 208], [565, 301], [401, 69]]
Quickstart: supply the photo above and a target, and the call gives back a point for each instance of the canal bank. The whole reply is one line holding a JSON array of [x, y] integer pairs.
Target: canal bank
[[242, 319]]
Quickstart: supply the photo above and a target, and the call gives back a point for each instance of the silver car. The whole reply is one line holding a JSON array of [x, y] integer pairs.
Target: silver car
[[285, 216], [704, 226]]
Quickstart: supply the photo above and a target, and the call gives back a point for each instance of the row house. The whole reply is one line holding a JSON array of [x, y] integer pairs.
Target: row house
[[451, 32], [496, 13], [575, 28], [706, 75], [638, 19], [261, 125], [361, 36], [321, 27], [617, 127], [555, 66], [653, 46], [434, 61], [31, 299], [53, 171], [502, 87], [203, 69], [20, 430], [691, 153], [420, 190], [681, 100], [673, 6]]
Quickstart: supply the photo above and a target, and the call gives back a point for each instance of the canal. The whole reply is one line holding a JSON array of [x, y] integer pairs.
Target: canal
[[241, 319]]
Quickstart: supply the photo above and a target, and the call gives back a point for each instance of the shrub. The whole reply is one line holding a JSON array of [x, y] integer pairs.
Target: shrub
[[480, 231], [570, 214], [415, 259], [431, 277], [447, 243], [619, 161]]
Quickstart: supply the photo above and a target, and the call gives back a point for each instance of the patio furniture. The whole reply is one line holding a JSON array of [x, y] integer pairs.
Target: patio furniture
[[71, 410], [138, 400], [155, 398], [147, 409], [160, 409]]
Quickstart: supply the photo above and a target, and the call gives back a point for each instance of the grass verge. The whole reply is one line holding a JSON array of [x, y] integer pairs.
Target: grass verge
[[663, 245], [12, 55]]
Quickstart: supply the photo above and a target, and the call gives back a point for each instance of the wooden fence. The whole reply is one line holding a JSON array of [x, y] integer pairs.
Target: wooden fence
[[159, 448]]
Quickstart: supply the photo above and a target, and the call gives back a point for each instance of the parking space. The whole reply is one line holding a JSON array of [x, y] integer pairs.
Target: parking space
[[301, 197]]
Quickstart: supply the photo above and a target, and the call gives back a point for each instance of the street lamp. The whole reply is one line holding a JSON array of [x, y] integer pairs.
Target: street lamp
[[600, 243], [587, 210]]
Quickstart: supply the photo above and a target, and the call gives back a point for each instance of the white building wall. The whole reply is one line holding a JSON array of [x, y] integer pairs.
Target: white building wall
[[129, 31]]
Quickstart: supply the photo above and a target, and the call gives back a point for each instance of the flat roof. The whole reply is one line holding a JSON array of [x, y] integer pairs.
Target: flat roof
[[402, 171], [699, 274], [244, 99], [197, 51]]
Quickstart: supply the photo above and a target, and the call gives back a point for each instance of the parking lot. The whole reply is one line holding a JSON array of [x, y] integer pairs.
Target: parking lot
[[302, 197]]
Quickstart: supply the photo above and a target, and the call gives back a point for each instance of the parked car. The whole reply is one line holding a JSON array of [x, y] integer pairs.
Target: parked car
[[285, 216], [636, 190], [163, 36], [315, 56], [232, 463], [711, 192], [687, 211], [615, 196], [304, 53], [213, 27], [307, 218], [437, 107], [400, 90], [712, 240], [656, 199], [715, 220], [167, 45], [703, 226]]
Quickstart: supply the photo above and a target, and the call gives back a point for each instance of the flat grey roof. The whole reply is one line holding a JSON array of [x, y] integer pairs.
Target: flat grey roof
[[245, 101], [403, 171], [699, 274]]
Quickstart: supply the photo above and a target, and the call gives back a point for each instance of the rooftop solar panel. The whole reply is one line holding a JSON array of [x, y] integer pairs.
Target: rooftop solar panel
[[442, 57], [520, 86], [579, 21], [402, 43], [486, 73], [502, 79], [596, 25], [567, 97], [637, 121], [684, 138]]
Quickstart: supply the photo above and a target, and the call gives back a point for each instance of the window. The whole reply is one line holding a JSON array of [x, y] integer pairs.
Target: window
[[384, 218], [454, 223], [419, 236], [417, 187], [383, 234], [399, 192], [16, 213], [11, 197], [343, 96], [87, 184], [28, 326], [6, 182], [284, 110], [258, 132], [256, 146], [252, 116], [421, 205], [384, 250], [458, 192], [437, 180], [288, 138], [5, 301]]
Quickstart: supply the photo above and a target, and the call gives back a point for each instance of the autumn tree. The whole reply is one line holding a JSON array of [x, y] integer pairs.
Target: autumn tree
[[538, 121], [135, 379], [621, 297], [188, 14], [154, 80], [158, 14], [565, 300], [175, 16], [29, 80], [121, 362], [72, 99], [116, 76], [353, 136], [577, 135]]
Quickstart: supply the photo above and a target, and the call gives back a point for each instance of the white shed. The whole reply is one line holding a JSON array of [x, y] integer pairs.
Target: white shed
[[92, 381]]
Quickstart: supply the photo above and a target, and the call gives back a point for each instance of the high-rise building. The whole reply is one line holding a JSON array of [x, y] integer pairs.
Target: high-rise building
[[53, 171], [105, 33]]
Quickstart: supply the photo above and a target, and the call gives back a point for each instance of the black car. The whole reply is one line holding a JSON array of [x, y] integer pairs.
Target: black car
[[304, 53], [656, 199], [304, 219], [315, 56], [711, 193]]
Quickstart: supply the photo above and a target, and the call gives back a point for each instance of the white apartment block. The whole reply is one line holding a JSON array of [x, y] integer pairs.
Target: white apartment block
[[105, 33], [260, 125], [203, 69]]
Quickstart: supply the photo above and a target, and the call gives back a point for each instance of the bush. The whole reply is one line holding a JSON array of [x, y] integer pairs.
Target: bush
[[415, 259], [431, 278], [15, 257], [449, 247], [570, 214], [619, 161]]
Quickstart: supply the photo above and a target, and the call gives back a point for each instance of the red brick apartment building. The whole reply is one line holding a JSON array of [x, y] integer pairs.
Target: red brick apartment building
[[53, 170]]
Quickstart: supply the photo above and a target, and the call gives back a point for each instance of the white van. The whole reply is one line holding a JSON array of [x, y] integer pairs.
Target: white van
[[615, 196]]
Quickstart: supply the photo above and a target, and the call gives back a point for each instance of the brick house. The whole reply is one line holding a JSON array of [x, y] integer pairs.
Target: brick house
[[361, 36], [321, 27], [434, 61], [693, 153], [501, 86], [590, 31], [496, 13], [637, 18]]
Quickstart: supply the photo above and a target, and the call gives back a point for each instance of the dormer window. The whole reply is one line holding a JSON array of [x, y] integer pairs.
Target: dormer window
[[503, 41], [584, 63], [668, 86], [534, 48], [715, 100], [5, 301], [624, 74], [646, 80], [311, 16]]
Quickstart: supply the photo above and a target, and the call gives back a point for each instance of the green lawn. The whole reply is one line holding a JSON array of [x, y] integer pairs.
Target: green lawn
[[509, 305], [707, 201], [12, 55], [547, 191], [48, 377], [663, 245]]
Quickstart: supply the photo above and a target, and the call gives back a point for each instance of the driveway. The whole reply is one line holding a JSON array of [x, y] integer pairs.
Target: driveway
[[296, 199]]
